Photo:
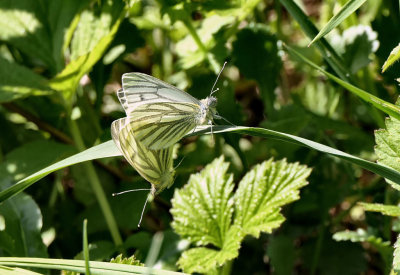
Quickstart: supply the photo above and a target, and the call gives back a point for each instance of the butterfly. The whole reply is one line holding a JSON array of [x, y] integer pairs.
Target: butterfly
[[161, 114], [156, 166]]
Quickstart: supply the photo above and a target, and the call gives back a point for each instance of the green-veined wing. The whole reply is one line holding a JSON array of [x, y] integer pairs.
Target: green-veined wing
[[160, 113], [156, 166]]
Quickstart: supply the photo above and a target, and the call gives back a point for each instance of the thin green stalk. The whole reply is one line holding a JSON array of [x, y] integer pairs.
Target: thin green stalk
[[86, 248], [96, 185]]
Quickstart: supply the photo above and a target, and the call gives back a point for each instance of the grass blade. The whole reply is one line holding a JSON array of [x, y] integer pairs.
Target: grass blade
[[97, 268], [378, 103], [108, 149], [393, 57], [350, 7]]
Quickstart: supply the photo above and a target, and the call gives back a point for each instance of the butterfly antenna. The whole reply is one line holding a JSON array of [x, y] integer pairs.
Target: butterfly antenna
[[128, 191], [144, 207], [221, 117], [180, 162], [215, 83]]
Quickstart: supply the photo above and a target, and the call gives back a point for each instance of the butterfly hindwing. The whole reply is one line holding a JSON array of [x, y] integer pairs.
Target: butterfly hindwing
[[160, 125], [156, 166]]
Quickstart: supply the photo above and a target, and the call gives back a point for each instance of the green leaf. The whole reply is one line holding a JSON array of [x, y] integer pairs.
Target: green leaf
[[387, 145], [22, 24], [206, 260], [22, 224], [86, 52], [380, 104], [203, 209], [393, 57], [350, 7], [17, 81], [263, 191], [206, 199], [96, 268], [388, 210]]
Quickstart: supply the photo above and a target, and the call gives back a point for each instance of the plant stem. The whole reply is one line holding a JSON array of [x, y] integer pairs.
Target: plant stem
[[96, 185], [226, 269]]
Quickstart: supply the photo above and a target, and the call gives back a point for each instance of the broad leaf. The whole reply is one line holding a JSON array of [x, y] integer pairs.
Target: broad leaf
[[263, 191], [350, 7], [22, 224], [203, 209]]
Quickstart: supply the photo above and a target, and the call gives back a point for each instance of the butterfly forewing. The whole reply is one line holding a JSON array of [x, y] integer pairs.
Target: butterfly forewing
[[160, 125], [156, 166], [138, 89]]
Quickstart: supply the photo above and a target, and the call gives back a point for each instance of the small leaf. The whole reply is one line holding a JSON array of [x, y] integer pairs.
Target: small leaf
[[387, 145], [393, 57], [262, 192], [388, 210], [350, 7], [129, 261]]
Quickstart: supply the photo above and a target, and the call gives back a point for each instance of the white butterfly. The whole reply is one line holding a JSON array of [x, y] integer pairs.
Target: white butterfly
[[161, 114]]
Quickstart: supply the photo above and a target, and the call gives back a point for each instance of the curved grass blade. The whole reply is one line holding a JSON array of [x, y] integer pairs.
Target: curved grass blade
[[96, 268], [378, 103], [350, 7], [109, 149], [104, 150]]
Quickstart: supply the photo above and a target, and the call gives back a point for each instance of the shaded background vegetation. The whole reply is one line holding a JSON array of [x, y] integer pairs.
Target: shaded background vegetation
[[60, 67]]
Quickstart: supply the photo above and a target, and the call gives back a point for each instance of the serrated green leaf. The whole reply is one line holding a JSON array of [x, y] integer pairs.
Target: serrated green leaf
[[203, 209], [263, 190], [387, 146], [350, 7], [393, 57], [388, 210], [205, 260]]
